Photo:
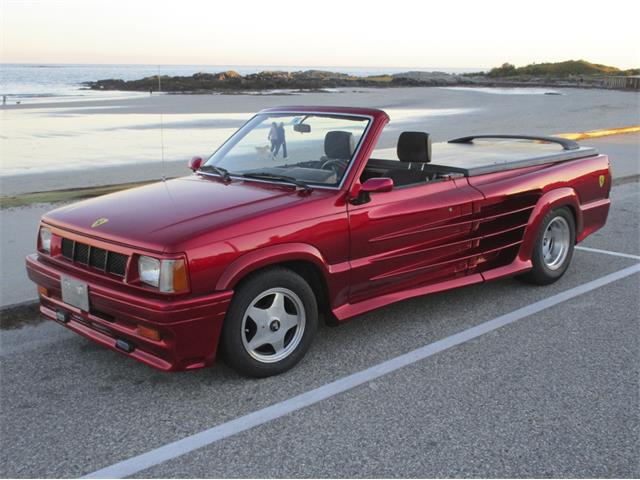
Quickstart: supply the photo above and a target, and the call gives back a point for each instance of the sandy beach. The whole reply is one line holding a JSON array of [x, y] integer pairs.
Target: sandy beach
[[58, 145]]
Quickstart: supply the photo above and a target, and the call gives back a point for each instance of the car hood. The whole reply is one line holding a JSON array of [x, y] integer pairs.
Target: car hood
[[160, 216]]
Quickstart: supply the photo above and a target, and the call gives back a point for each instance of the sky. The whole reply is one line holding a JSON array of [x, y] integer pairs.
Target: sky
[[346, 33]]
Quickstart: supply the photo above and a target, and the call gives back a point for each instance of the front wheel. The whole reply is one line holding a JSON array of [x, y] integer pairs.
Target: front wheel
[[553, 249], [270, 323]]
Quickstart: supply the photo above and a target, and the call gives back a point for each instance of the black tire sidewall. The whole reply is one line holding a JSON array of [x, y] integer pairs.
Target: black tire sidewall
[[231, 341], [542, 273]]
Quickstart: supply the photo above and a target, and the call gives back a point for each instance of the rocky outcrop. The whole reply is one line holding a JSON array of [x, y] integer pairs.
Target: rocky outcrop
[[232, 81], [430, 79]]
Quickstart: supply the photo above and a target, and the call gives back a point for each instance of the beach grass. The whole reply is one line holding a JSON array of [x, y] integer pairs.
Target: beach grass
[[68, 195]]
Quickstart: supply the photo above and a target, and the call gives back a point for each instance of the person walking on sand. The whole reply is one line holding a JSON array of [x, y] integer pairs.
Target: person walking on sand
[[273, 138], [282, 140]]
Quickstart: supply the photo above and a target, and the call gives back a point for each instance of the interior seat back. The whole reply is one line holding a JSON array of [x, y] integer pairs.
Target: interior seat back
[[414, 147], [339, 145]]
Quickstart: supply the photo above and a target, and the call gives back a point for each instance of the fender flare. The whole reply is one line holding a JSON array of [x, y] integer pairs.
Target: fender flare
[[559, 197], [271, 255]]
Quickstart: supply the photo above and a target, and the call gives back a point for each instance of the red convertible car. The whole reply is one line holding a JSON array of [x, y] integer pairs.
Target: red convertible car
[[303, 213]]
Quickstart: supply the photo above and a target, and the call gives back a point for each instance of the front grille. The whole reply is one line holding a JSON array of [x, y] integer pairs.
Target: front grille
[[98, 258], [81, 253], [94, 257], [116, 263], [67, 248]]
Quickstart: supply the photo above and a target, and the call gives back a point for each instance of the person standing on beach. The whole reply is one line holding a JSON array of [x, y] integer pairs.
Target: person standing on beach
[[282, 140], [273, 138]]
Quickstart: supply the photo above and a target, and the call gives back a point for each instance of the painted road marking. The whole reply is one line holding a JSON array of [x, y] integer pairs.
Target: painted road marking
[[608, 252], [188, 444], [605, 132]]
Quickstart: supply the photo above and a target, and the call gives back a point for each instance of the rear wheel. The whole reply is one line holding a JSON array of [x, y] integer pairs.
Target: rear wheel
[[270, 323], [553, 249]]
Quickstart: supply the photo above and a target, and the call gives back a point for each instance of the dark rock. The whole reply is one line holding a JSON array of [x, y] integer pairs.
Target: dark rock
[[232, 82]]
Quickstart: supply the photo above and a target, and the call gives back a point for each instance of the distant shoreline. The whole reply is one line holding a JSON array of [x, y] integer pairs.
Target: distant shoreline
[[26, 84], [570, 73], [231, 82]]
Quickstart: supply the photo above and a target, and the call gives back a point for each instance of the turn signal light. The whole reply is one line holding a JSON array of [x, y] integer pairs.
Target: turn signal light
[[147, 332], [180, 283], [43, 292]]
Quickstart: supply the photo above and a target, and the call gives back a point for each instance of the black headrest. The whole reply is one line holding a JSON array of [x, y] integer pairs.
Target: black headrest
[[339, 144], [414, 147]]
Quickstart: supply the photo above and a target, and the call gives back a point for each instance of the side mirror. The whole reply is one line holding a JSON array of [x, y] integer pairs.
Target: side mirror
[[195, 163], [377, 185], [302, 127], [373, 185]]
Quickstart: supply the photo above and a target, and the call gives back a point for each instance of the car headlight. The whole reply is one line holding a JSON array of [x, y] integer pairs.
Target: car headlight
[[149, 270], [168, 276], [45, 239]]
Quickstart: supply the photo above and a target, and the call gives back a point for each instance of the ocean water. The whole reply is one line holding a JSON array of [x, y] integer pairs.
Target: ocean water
[[37, 139], [79, 138], [31, 83]]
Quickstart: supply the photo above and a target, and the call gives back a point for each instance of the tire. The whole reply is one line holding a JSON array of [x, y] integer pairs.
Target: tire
[[553, 249], [270, 323]]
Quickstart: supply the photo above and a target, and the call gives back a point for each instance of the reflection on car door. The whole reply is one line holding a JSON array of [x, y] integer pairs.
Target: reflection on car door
[[410, 237]]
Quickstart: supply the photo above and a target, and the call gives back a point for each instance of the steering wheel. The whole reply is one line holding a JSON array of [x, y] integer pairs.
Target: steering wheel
[[336, 165]]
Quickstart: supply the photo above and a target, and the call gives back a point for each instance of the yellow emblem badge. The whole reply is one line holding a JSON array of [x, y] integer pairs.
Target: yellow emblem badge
[[98, 222], [601, 180]]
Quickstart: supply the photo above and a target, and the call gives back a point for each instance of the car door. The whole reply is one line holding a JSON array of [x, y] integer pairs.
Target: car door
[[410, 236]]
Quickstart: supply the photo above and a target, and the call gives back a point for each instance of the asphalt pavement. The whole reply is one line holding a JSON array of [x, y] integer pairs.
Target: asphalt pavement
[[553, 394]]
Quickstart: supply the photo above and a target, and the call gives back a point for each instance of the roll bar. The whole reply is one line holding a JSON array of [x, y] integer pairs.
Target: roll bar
[[566, 143]]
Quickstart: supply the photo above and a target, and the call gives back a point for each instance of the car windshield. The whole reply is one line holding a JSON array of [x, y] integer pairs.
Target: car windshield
[[311, 148]]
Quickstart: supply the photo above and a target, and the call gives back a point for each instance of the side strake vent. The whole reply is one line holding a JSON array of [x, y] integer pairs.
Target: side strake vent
[[94, 257]]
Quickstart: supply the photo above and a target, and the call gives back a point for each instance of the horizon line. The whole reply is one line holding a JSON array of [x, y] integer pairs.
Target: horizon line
[[234, 65], [316, 66]]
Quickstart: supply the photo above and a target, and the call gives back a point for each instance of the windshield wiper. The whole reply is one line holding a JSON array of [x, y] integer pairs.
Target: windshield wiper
[[274, 176], [222, 172]]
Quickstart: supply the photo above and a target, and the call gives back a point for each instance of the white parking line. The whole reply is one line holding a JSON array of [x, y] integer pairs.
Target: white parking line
[[207, 437], [608, 252]]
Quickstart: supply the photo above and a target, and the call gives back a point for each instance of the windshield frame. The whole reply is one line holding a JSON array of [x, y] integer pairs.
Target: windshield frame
[[270, 112]]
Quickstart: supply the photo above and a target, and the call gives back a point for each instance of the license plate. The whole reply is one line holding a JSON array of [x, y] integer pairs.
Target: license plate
[[75, 292]]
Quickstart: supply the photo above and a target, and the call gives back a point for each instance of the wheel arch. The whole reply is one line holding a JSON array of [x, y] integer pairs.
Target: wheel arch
[[304, 259], [556, 198]]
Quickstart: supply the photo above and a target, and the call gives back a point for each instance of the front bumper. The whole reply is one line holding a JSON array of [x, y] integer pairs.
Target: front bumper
[[189, 328]]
